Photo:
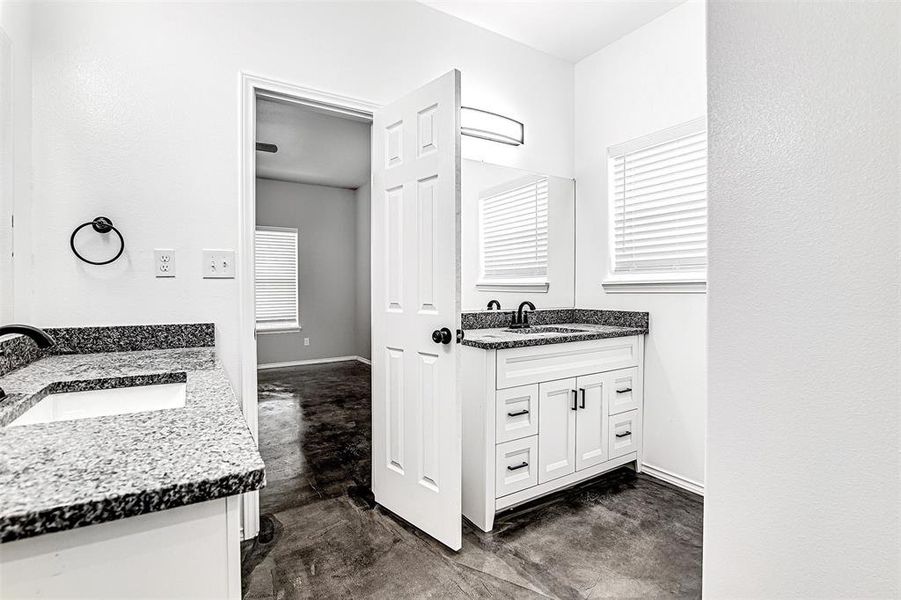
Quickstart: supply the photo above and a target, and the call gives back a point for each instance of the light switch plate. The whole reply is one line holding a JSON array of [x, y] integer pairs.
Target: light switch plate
[[218, 264], [164, 263]]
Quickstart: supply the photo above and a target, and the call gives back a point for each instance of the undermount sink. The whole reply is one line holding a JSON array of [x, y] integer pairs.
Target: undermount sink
[[546, 329], [68, 406]]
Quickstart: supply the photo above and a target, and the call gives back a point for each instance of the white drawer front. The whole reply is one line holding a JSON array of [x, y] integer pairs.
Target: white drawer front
[[516, 466], [625, 434], [625, 391], [534, 364], [517, 413]]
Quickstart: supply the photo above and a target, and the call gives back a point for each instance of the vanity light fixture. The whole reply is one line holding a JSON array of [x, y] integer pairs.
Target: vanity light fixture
[[485, 125]]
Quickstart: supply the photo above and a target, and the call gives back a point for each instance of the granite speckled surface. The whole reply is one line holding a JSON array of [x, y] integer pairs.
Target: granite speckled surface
[[69, 474], [17, 350], [502, 338], [489, 330]]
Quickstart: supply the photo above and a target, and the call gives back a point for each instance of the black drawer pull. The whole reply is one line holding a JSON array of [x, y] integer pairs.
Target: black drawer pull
[[517, 467], [518, 413], [624, 434], [624, 391]]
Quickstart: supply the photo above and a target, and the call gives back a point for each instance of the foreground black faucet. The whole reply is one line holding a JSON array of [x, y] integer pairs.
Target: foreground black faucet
[[521, 319], [494, 304], [39, 337]]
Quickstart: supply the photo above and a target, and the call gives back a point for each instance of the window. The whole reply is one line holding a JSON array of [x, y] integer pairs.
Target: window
[[658, 192], [513, 222], [275, 265]]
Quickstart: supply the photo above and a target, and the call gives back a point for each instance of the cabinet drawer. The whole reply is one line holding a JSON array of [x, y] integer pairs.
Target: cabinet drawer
[[534, 364], [517, 413], [625, 391], [625, 434], [516, 466]]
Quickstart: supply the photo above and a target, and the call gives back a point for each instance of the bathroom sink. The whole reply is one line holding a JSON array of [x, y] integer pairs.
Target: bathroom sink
[[547, 329], [68, 406]]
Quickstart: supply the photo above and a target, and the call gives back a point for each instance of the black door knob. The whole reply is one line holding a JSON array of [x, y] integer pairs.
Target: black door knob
[[442, 336]]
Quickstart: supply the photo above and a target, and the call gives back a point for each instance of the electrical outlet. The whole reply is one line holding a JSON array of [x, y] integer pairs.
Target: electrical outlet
[[164, 263], [306, 341], [218, 264]]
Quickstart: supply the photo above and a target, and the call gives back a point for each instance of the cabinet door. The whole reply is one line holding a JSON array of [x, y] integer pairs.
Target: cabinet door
[[625, 390], [516, 413], [557, 406], [591, 420], [625, 433]]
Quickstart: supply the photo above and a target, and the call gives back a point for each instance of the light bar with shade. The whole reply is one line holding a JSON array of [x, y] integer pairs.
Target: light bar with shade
[[491, 126]]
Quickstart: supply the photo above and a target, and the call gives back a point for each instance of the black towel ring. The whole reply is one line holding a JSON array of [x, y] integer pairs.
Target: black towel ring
[[100, 225]]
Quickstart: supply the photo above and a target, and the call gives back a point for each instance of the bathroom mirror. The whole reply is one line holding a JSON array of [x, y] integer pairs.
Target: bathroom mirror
[[517, 239]]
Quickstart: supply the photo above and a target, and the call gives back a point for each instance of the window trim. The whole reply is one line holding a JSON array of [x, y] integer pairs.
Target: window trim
[[538, 285], [663, 282], [288, 326]]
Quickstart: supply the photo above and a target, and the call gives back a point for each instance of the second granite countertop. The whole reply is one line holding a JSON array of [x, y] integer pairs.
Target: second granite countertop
[[503, 338], [68, 474]]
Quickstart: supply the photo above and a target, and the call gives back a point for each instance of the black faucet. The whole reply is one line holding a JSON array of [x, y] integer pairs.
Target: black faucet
[[494, 304], [521, 319], [39, 337]]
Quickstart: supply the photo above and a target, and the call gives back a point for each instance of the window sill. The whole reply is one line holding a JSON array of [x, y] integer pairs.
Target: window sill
[[655, 286], [279, 328], [536, 287]]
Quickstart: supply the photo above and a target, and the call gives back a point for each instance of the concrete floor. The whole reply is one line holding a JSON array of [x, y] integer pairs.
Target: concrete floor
[[619, 536]]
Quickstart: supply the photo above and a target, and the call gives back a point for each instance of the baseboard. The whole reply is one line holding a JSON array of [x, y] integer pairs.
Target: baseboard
[[670, 477], [365, 361], [312, 361]]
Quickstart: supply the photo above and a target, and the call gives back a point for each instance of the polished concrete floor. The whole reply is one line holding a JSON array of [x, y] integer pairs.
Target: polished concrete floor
[[620, 536]]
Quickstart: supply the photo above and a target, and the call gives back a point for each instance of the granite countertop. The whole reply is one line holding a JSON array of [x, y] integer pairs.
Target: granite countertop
[[69, 474], [540, 335]]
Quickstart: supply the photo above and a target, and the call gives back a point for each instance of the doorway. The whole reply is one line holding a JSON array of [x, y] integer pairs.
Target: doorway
[[311, 183], [312, 299]]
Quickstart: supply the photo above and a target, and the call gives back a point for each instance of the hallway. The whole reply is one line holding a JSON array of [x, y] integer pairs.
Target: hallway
[[621, 536]]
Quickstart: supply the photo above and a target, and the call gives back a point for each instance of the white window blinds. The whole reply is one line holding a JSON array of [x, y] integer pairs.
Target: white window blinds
[[514, 226], [275, 265], [658, 186]]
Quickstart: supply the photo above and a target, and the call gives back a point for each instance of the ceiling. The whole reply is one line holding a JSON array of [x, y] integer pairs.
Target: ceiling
[[567, 29], [313, 147]]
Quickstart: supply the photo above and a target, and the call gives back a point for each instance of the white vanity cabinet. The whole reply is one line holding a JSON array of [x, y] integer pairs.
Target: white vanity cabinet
[[538, 419]]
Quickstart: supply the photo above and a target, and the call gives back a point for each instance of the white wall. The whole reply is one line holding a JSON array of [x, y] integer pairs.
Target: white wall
[[803, 493], [363, 200], [479, 176], [136, 115], [326, 222], [650, 79], [15, 171]]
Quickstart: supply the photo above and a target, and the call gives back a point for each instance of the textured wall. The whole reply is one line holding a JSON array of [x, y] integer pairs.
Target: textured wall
[[803, 424], [651, 79]]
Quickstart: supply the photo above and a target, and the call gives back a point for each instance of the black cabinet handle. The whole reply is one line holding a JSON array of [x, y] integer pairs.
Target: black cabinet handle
[[582, 405], [442, 336], [624, 391], [518, 413], [624, 434], [575, 400], [517, 467]]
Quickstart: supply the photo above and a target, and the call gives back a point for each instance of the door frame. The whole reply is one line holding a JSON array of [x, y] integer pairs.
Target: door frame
[[250, 87]]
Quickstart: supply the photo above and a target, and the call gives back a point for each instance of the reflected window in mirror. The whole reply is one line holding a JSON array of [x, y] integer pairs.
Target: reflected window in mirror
[[513, 228]]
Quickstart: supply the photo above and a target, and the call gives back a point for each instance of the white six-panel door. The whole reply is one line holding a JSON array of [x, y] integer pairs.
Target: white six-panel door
[[416, 408]]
